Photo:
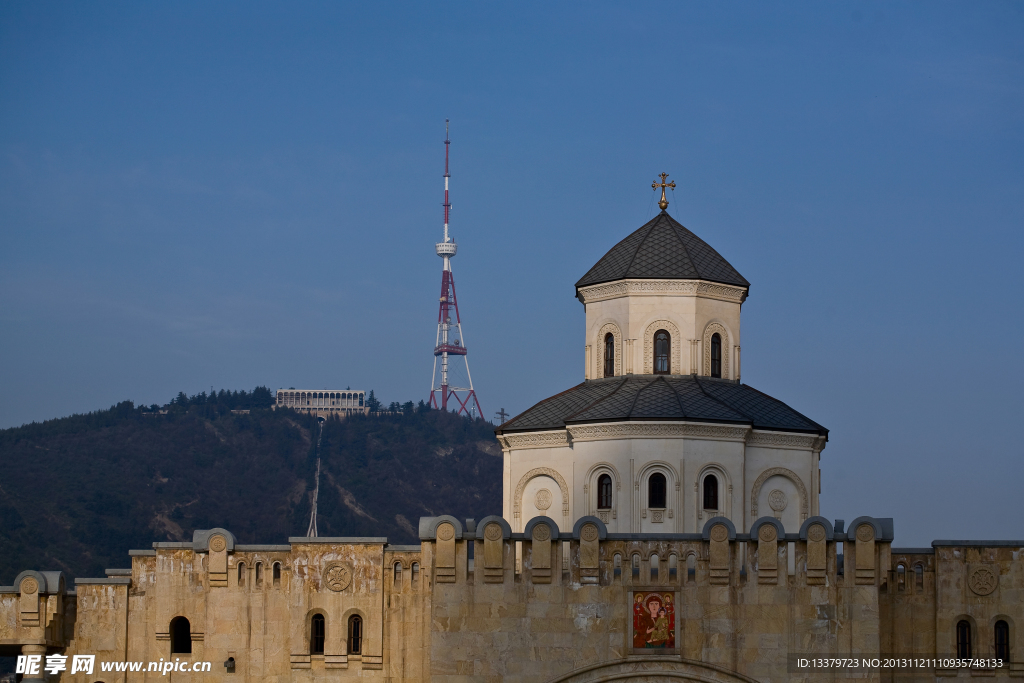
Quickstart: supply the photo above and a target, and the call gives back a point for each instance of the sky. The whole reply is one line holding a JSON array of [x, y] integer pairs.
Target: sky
[[241, 194]]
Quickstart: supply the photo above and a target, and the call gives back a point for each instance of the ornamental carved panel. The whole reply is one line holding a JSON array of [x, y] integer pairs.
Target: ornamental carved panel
[[983, 580], [337, 576]]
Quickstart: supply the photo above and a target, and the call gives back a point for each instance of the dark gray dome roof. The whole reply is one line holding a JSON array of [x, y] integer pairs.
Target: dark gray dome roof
[[662, 397], [663, 249]]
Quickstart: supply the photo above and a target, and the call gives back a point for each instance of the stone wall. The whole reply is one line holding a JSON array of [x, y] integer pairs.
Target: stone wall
[[460, 609]]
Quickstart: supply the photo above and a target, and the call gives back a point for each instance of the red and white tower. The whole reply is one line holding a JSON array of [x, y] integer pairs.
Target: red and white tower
[[450, 340]]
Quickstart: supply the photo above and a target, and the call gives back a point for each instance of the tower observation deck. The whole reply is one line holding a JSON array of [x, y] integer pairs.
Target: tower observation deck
[[451, 342]]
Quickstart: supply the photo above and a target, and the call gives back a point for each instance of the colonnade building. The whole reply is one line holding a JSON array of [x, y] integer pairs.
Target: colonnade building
[[323, 402]]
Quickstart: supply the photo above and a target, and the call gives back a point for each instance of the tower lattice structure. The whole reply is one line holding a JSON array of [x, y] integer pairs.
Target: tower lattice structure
[[451, 342]]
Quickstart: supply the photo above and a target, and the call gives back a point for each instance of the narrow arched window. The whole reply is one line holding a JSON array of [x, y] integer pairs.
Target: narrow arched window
[[901, 577], [604, 492], [355, 634], [716, 355], [919, 577], [277, 575], [635, 569], [656, 491], [963, 639], [259, 575], [241, 574], [673, 567], [609, 355], [710, 492], [1002, 641], [662, 351], [317, 634], [398, 575], [654, 568], [181, 636], [415, 573], [617, 565]]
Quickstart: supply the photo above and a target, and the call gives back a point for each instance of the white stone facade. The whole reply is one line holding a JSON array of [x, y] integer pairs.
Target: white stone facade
[[691, 311], [747, 464]]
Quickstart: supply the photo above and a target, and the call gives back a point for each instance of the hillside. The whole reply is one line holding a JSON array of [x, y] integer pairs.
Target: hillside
[[79, 492]]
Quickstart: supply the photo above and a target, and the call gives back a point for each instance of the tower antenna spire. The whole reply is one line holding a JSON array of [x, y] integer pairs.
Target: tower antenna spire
[[450, 339]]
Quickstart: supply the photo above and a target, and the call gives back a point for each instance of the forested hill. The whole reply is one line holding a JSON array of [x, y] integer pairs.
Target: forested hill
[[78, 492]]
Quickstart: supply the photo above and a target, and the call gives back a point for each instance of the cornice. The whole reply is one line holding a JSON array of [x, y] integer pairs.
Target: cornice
[[554, 439], [811, 442], [621, 288], [656, 430]]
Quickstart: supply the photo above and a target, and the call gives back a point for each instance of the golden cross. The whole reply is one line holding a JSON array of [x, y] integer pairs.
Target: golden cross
[[655, 185]]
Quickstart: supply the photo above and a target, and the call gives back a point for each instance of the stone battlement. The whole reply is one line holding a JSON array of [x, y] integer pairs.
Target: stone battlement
[[475, 601]]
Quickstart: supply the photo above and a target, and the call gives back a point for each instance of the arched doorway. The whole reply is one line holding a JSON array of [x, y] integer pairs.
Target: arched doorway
[[651, 669]]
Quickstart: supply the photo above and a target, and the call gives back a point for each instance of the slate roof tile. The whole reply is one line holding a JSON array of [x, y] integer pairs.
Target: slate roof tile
[[662, 397], [662, 249]]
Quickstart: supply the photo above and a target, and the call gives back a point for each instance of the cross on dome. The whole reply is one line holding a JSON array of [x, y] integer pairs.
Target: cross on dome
[[655, 185]]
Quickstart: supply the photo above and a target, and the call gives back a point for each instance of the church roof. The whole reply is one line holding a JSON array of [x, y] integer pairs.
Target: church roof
[[663, 249], [687, 398]]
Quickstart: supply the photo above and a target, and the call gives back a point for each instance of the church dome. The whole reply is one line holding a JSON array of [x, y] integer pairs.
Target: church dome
[[662, 249]]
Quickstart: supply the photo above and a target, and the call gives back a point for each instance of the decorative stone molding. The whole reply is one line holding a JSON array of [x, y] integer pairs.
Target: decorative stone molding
[[535, 440], [785, 440], [710, 330], [675, 342], [617, 342], [656, 430], [621, 288], [782, 472], [517, 502]]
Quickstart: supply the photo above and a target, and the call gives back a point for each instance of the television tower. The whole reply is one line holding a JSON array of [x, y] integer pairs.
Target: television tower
[[450, 339]]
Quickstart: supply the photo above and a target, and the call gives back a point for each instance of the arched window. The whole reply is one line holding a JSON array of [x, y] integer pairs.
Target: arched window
[[355, 634], [259, 575], [901, 577], [398, 575], [654, 568], [636, 567], [662, 352], [919, 577], [609, 355], [317, 634], [617, 565], [656, 491], [241, 574], [181, 636], [415, 573], [963, 639], [604, 492], [673, 567], [710, 492], [1002, 641], [277, 575], [716, 355]]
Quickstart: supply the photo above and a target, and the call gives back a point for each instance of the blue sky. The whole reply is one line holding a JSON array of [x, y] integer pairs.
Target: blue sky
[[196, 194]]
